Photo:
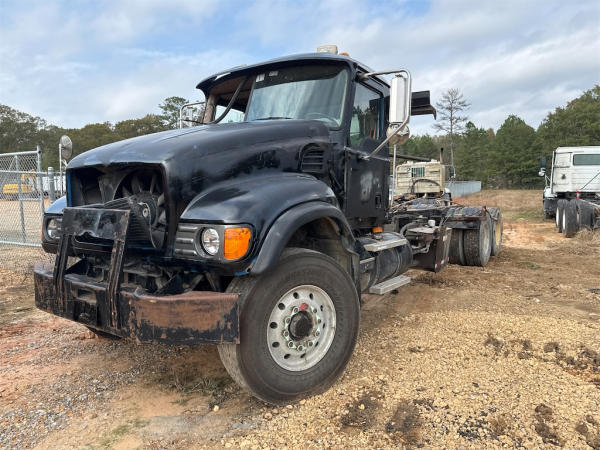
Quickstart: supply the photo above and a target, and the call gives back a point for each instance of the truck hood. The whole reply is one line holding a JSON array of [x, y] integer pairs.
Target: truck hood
[[195, 159], [190, 144]]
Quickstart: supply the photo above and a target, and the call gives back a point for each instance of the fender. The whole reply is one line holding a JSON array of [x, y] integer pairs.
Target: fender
[[57, 206], [256, 200], [285, 226]]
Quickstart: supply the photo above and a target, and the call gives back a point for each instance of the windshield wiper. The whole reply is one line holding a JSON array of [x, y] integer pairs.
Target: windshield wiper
[[273, 118]]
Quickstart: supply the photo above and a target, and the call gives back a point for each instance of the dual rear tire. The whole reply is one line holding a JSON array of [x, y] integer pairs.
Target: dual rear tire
[[478, 244], [473, 247], [570, 216], [560, 212]]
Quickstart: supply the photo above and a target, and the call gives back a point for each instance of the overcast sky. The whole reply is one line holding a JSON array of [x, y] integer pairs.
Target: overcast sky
[[78, 62]]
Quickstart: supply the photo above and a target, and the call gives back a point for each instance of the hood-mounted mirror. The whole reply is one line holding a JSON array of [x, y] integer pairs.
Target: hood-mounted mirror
[[66, 147]]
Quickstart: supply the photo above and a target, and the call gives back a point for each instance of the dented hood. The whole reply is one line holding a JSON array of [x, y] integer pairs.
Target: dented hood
[[189, 144]]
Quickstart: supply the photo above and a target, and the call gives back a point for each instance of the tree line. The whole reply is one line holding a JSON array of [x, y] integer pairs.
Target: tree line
[[509, 157], [20, 131], [505, 158]]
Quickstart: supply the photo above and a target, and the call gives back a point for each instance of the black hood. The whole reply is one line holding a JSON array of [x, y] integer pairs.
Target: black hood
[[189, 144], [195, 159]]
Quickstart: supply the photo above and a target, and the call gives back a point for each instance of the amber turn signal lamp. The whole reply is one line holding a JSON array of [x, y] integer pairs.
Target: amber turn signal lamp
[[237, 241], [377, 230]]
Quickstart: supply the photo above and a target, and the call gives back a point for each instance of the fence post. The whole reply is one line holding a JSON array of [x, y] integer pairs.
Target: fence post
[[40, 179], [20, 198], [51, 191]]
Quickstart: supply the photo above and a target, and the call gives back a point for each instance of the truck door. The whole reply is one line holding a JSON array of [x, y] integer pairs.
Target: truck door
[[366, 181], [561, 172]]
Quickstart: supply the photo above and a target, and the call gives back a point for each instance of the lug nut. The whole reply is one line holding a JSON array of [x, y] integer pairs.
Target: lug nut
[[286, 333], [290, 344], [300, 348], [310, 343], [287, 320], [313, 309], [317, 333], [295, 310]]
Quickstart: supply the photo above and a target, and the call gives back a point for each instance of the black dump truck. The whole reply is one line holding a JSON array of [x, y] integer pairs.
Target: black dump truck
[[257, 229]]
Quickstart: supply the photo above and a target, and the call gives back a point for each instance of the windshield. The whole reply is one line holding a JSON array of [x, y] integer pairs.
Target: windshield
[[306, 92], [587, 160]]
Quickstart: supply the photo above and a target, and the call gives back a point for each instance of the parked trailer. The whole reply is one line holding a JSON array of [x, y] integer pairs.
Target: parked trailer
[[572, 193], [258, 236]]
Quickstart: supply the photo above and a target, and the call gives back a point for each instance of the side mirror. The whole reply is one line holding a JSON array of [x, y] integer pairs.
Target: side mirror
[[199, 108], [66, 147], [400, 102], [400, 99], [542, 171]]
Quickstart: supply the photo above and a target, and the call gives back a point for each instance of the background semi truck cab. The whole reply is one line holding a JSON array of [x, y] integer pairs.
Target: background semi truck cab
[[572, 192]]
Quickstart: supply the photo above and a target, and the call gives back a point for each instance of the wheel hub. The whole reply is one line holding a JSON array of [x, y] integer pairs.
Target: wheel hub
[[301, 327]]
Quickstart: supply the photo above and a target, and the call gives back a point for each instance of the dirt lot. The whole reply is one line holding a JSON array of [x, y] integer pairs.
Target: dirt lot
[[508, 354]]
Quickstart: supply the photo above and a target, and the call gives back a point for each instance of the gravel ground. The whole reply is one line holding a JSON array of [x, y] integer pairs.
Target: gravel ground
[[507, 355]]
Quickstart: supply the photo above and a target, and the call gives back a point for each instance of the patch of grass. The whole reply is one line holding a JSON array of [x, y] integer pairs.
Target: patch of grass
[[117, 433], [524, 215], [185, 379], [589, 236], [530, 265]]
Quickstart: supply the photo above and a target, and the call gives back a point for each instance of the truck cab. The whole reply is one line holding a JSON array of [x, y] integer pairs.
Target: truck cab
[[572, 188], [256, 230]]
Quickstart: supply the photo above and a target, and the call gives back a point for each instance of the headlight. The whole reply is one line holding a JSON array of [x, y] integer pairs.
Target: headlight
[[52, 229], [219, 243], [210, 241]]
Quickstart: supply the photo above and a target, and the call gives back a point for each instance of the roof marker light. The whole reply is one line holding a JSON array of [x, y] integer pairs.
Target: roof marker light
[[327, 49]]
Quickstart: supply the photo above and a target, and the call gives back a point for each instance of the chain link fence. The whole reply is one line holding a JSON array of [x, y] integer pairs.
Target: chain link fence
[[25, 192]]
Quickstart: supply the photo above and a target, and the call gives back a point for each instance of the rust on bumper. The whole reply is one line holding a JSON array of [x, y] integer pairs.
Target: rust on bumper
[[191, 318]]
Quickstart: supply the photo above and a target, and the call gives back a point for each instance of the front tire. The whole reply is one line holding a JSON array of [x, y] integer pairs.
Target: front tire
[[298, 327]]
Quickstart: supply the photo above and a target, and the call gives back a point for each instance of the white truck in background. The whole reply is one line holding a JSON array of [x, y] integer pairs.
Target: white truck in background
[[572, 192]]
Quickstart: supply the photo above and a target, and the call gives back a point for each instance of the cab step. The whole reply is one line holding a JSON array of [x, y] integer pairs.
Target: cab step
[[389, 285], [383, 241]]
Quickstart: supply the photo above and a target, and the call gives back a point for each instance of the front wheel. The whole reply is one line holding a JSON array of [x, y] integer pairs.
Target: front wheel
[[298, 327]]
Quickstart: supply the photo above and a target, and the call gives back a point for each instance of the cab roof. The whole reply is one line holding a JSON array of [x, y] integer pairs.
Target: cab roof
[[583, 149], [319, 58]]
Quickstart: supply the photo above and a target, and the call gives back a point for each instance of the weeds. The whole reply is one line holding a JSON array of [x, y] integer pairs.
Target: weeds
[[185, 379], [116, 434]]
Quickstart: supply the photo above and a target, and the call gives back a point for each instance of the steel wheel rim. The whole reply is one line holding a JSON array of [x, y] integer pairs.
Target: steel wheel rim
[[498, 233], [297, 309]]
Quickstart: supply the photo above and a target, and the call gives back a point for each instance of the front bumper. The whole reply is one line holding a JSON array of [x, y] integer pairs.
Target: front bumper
[[195, 317]]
